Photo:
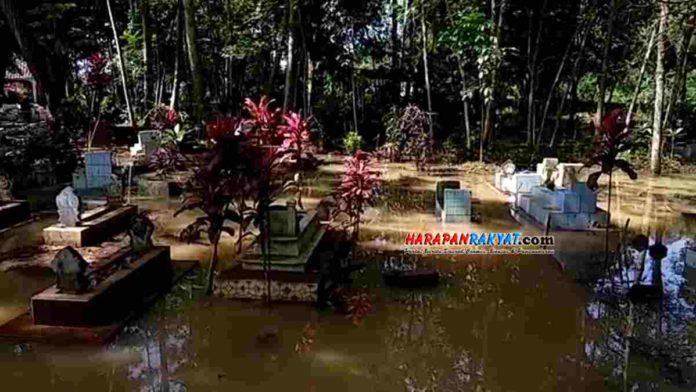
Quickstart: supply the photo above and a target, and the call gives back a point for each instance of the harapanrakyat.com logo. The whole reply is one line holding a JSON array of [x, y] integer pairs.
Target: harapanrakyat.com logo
[[478, 243]]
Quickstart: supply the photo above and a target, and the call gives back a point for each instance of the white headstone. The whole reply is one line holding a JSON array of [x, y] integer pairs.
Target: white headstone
[[68, 207], [568, 174]]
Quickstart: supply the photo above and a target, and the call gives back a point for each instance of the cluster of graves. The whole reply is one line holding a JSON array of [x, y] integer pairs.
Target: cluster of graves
[[91, 301], [552, 196]]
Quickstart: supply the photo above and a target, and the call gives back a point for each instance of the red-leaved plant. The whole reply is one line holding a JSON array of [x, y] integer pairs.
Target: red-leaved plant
[[613, 138], [247, 161], [297, 147], [358, 189], [221, 126], [97, 73], [167, 160]]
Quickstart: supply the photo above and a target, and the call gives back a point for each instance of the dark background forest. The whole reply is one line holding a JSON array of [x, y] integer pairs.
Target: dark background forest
[[498, 79]]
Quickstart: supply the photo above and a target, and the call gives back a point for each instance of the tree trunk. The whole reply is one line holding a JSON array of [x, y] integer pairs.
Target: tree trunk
[[655, 153], [680, 74], [557, 78], [606, 232], [636, 90], [289, 59], [465, 103], [352, 95], [121, 65], [211, 268], [602, 83], [396, 85], [193, 60], [424, 33], [147, 50]]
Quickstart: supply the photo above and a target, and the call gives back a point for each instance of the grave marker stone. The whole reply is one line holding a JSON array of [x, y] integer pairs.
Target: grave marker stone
[[71, 271], [140, 233], [68, 205], [457, 206]]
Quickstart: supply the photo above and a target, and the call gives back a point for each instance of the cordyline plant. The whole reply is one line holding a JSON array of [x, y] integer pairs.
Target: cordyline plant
[[213, 189], [248, 160], [297, 147], [358, 189], [613, 138], [167, 160]]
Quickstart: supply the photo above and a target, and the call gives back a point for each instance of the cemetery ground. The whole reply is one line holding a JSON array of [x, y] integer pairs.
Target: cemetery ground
[[507, 322]]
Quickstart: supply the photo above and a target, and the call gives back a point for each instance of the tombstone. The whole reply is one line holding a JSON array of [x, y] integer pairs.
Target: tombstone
[[503, 177], [440, 188], [68, 205], [567, 175], [140, 233], [524, 182], [98, 169], [457, 208], [148, 143], [5, 189], [547, 169], [283, 220], [71, 271], [114, 192]]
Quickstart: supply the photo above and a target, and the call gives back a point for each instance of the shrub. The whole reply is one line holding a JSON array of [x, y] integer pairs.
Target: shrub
[[352, 142]]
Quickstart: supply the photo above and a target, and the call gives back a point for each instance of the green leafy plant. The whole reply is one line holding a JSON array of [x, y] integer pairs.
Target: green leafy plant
[[352, 142]]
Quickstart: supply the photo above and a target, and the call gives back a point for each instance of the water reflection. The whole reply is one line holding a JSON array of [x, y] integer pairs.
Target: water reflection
[[645, 345]]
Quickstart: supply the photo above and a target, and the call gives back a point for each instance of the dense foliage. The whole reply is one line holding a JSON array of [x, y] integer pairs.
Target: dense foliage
[[487, 73]]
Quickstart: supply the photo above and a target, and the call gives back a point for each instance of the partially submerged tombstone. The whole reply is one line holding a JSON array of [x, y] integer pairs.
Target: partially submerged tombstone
[[5, 190], [503, 177], [547, 169], [71, 271], [114, 192], [140, 233], [68, 207], [440, 194]]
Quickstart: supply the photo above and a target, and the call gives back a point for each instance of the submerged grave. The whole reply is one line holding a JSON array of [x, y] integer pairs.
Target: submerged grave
[[91, 302], [552, 196], [89, 228], [452, 204], [294, 240]]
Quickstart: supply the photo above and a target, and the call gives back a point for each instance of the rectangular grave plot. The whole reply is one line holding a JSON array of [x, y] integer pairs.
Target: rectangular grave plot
[[113, 299]]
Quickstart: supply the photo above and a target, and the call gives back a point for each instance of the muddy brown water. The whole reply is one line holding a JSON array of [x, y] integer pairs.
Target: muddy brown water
[[498, 323]]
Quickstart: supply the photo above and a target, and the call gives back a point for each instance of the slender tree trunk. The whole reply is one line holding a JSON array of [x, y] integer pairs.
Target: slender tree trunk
[[194, 62], [489, 110], [352, 95], [636, 90], [547, 104], [121, 65], [655, 153], [606, 233], [559, 72], [608, 39], [681, 73], [424, 33], [147, 50], [465, 103], [289, 59], [212, 267], [396, 85], [177, 54]]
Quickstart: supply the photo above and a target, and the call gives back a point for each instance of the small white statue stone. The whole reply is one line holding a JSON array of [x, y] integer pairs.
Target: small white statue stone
[[68, 207]]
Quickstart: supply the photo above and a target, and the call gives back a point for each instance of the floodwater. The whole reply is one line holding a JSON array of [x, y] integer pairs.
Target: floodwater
[[496, 323]]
